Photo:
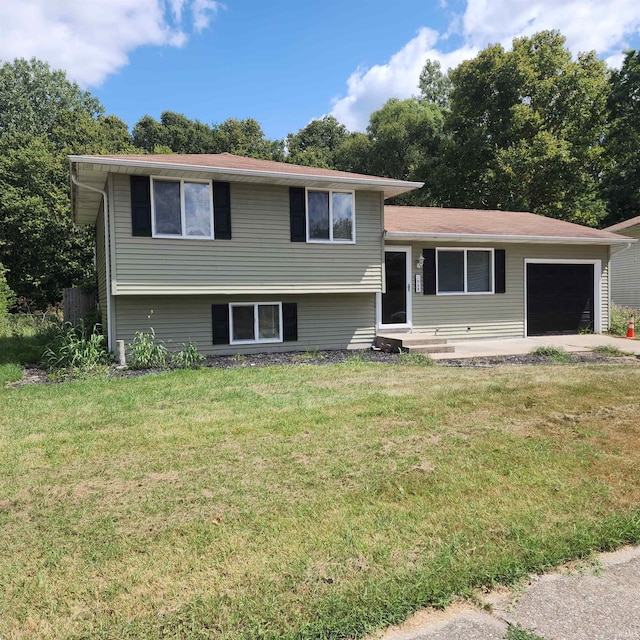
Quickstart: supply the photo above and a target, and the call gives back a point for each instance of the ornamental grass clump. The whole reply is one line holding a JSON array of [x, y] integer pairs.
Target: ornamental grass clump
[[76, 349], [147, 352]]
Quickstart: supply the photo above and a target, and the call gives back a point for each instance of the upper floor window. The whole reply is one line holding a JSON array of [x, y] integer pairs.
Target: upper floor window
[[182, 208], [330, 216], [465, 271]]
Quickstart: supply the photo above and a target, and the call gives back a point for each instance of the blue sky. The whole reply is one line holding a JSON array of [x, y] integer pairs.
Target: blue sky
[[284, 62]]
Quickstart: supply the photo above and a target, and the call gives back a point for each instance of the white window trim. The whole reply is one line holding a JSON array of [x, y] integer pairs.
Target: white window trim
[[183, 235], [465, 292], [331, 239], [256, 327], [597, 287]]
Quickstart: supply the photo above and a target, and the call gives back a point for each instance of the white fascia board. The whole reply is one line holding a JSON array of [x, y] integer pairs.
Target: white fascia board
[[477, 237], [394, 185]]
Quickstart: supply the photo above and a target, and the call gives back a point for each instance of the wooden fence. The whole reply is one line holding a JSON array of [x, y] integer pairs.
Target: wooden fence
[[77, 304]]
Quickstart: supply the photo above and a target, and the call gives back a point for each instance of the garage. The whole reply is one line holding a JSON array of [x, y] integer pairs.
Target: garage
[[561, 298]]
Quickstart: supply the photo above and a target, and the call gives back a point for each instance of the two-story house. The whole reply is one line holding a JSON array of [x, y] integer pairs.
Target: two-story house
[[234, 253], [244, 255]]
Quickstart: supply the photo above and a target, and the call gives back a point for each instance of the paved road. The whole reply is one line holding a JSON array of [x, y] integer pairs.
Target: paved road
[[597, 603]]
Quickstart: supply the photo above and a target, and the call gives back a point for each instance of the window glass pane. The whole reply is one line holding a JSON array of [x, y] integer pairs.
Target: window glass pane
[[479, 274], [197, 209], [342, 204], [242, 323], [268, 321], [166, 199], [450, 271], [318, 215]]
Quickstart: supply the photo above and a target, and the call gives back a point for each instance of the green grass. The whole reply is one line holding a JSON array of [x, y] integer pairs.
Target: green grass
[[610, 351], [23, 338], [302, 502], [519, 633], [554, 354]]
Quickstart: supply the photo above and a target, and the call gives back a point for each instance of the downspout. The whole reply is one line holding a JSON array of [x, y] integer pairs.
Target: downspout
[[107, 253]]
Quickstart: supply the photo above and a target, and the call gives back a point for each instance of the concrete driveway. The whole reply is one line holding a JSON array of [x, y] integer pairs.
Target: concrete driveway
[[519, 346]]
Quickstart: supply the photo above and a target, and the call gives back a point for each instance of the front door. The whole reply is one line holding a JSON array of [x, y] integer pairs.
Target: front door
[[395, 306]]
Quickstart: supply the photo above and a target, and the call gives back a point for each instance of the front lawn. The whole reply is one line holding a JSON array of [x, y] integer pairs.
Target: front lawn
[[302, 501]]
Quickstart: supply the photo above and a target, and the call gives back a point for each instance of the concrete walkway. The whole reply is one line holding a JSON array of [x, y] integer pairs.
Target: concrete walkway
[[520, 346], [595, 602]]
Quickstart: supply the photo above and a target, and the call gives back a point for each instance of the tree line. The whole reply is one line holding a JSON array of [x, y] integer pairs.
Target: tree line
[[528, 129]]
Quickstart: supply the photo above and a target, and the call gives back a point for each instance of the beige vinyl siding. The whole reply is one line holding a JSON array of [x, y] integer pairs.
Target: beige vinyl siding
[[500, 315], [625, 273], [101, 267], [259, 259], [340, 321]]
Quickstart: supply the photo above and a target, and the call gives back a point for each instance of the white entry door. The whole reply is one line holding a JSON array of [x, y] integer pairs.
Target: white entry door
[[394, 304]]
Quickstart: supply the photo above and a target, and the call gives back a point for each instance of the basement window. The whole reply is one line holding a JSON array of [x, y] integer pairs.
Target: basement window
[[255, 322]]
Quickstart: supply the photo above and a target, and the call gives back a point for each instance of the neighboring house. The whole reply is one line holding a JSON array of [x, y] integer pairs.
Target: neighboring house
[[625, 267], [244, 255]]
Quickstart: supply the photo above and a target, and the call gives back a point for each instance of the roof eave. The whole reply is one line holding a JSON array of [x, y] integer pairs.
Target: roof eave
[[409, 236], [388, 186]]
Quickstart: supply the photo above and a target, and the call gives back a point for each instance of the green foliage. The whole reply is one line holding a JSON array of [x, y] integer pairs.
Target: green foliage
[[188, 357], [403, 141], [24, 337], [526, 129], [610, 351], [619, 321], [316, 144], [7, 297], [517, 632], [435, 86], [621, 180], [178, 134], [416, 359], [147, 352], [555, 354], [77, 349], [43, 118]]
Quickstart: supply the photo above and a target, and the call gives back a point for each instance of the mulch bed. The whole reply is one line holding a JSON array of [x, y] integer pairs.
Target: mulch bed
[[36, 375]]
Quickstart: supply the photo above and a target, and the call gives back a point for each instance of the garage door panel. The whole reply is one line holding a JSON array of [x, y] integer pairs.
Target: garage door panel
[[560, 298]]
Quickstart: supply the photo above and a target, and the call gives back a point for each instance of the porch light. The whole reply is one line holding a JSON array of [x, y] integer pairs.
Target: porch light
[[420, 262]]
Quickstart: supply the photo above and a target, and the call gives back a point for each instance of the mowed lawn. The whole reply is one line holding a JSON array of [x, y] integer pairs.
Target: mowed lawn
[[302, 501]]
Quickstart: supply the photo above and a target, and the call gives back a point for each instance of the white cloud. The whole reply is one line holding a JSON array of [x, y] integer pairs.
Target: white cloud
[[92, 39], [368, 90], [605, 27]]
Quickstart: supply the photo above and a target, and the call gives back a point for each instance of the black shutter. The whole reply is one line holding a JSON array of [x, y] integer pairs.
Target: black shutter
[[429, 272], [297, 214], [140, 205], [501, 280], [222, 210], [289, 322], [220, 321]]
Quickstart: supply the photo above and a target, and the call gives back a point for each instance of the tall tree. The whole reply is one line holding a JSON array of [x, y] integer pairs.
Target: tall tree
[[435, 86], [317, 143], [43, 118], [621, 181], [526, 129]]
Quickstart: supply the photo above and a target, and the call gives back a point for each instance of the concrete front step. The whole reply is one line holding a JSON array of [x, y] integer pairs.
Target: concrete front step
[[412, 343]]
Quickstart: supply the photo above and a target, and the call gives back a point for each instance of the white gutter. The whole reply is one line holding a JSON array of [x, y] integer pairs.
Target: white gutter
[[107, 253], [257, 173], [408, 236]]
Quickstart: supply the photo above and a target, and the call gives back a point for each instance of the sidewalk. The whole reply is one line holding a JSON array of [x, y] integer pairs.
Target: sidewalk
[[600, 602]]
